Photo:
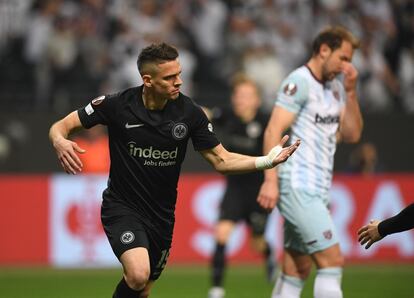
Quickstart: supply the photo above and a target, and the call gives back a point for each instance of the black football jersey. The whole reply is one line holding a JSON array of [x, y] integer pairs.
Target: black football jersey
[[147, 148], [240, 137]]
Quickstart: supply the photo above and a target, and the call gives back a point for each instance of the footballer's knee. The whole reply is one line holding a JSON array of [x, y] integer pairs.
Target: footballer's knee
[[223, 231], [337, 261], [137, 279], [304, 271], [301, 271], [330, 257]]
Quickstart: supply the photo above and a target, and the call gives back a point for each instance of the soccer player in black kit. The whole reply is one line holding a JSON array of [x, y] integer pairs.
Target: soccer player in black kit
[[149, 127], [241, 127]]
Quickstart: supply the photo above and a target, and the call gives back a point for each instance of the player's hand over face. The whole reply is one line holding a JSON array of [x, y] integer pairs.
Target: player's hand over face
[[268, 195], [286, 152], [66, 152], [369, 234], [351, 75]]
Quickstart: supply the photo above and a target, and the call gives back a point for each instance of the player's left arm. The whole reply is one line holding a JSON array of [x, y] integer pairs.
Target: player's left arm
[[351, 123], [227, 162]]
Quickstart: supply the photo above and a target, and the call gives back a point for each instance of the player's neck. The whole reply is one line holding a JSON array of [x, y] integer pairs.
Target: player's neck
[[315, 67], [247, 116], [152, 102]]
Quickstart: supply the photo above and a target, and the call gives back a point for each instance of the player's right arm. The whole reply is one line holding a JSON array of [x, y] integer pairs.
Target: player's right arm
[[66, 149], [280, 120], [351, 122], [227, 162], [291, 97]]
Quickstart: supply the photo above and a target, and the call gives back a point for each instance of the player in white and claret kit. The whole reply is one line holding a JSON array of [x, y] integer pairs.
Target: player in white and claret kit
[[320, 110]]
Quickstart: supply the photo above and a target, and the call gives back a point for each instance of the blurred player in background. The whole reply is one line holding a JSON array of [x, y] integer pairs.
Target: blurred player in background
[[149, 127], [376, 230], [320, 110], [95, 142], [241, 127]]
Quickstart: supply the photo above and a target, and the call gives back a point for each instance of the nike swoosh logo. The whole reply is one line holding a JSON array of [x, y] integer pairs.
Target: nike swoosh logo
[[128, 126]]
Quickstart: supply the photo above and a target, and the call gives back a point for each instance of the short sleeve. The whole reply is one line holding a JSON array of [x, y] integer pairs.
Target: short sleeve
[[202, 133], [293, 93], [99, 111]]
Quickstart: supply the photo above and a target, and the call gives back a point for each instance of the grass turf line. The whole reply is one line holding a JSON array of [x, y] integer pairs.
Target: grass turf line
[[242, 281]]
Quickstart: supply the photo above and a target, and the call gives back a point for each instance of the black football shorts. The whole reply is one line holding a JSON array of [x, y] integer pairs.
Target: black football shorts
[[125, 231], [239, 204]]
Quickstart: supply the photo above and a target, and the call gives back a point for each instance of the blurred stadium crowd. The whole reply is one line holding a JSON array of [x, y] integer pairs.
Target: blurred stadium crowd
[[56, 55]]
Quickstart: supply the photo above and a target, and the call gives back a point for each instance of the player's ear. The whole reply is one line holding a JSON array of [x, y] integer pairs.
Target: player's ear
[[147, 80], [324, 50]]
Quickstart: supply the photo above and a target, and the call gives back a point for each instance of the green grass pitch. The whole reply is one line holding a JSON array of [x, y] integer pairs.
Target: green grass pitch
[[242, 281]]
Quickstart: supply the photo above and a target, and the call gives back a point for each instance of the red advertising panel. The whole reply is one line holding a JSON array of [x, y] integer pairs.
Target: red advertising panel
[[55, 220], [354, 201], [197, 210], [24, 219], [358, 199]]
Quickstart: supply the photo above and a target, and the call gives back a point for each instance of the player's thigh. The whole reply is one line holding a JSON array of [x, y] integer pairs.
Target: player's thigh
[[296, 263], [136, 263], [125, 232], [330, 257], [223, 230], [308, 226]]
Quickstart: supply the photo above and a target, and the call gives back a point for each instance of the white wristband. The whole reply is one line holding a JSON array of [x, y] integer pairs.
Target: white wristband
[[274, 152], [263, 163], [266, 162]]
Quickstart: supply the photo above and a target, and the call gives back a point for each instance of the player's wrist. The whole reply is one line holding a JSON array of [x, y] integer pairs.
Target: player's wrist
[[263, 163], [272, 180], [56, 141], [266, 162], [351, 93]]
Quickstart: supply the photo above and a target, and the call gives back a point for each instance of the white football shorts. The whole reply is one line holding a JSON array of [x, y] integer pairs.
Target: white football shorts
[[308, 225]]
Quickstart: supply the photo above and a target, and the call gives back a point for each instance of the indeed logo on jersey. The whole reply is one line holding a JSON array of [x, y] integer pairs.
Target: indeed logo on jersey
[[326, 119], [153, 157]]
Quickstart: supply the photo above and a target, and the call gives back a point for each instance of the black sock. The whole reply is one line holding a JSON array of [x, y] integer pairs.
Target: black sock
[[218, 265], [270, 262], [267, 252], [124, 291]]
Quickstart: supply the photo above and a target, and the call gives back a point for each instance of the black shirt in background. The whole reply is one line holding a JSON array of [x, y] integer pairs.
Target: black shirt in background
[[243, 138]]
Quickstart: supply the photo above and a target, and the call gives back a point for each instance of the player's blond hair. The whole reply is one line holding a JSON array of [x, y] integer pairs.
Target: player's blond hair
[[242, 78]]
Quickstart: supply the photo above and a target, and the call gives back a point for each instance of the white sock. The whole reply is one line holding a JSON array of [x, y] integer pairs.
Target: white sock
[[216, 292], [287, 287], [328, 283]]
